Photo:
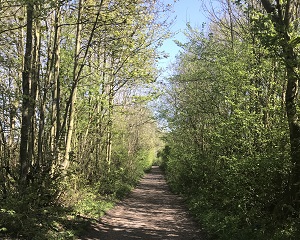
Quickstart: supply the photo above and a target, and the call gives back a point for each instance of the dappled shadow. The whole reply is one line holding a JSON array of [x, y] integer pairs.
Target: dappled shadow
[[53, 222], [151, 211]]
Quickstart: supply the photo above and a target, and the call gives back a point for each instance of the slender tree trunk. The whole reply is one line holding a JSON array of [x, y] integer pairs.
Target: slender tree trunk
[[73, 96], [55, 68], [18, 86], [109, 127], [281, 22], [231, 22], [3, 161], [35, 79], [77, 70], [291, 97], [26, 98]]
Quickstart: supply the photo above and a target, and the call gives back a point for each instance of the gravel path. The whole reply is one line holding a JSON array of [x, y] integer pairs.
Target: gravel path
[[151, 211]]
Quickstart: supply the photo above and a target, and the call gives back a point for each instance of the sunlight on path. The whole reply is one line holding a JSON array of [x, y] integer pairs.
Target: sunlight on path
[[150, 212]]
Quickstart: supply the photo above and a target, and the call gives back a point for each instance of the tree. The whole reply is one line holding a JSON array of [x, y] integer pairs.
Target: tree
[[27, 100], [64, 67], [282, 15], [228, 135]]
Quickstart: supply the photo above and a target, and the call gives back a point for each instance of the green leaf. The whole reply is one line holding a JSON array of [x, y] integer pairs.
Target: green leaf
[[295, 41]]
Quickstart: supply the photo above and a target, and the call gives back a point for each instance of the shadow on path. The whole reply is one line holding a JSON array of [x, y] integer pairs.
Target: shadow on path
[[151, 211]]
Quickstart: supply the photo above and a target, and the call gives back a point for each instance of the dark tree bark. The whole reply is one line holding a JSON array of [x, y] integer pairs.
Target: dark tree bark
[[26, 98], [281, 21]]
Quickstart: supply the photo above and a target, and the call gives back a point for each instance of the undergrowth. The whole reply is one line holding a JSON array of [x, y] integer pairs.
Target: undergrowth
[[65, 214], [65, 207], [27, 217]]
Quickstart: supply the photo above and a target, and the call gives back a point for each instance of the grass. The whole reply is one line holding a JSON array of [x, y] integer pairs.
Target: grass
[[23, 219]]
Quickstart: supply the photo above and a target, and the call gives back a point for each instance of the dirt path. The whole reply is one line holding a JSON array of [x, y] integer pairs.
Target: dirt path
[[150, 212]]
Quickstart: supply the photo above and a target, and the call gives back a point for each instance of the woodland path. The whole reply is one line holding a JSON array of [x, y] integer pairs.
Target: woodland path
[[151, 211]]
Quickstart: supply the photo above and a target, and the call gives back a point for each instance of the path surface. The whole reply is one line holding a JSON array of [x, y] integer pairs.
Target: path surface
[[151, 211]]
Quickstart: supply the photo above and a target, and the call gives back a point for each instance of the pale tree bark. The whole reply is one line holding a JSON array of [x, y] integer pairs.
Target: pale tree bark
[[53, 77], [18, 88], [77, 70], [109, 126], [73, 96]]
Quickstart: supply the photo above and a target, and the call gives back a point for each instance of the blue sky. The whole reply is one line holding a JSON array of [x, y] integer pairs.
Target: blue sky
[[185, 11]]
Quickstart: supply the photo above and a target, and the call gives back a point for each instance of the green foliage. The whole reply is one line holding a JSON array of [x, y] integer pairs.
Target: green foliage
[[228, 145], [20, 218], [117, 184], [90, 204], [92, 65]]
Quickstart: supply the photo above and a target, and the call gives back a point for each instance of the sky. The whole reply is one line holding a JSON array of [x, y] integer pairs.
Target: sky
[[185, 11]]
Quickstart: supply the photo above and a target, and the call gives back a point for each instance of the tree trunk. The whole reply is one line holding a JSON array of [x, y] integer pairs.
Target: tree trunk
[[26, 98], [109, 127], [35, 79], [73, 95], [3, 160], [281, 21], [291, 97], [55, 69], [229, 9], [77, 70]]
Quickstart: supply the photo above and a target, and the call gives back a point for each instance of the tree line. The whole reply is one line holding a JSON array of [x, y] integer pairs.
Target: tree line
[[232, 107], [75, 77]]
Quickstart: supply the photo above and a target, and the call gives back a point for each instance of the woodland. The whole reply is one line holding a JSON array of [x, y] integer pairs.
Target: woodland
[[76, 132], [79, 79], [233, 142]]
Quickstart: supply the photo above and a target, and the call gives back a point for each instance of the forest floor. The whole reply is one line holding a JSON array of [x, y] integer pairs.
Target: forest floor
[[151, 211]]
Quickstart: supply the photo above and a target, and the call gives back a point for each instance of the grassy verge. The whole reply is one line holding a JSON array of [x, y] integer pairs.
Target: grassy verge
[[40, 214]]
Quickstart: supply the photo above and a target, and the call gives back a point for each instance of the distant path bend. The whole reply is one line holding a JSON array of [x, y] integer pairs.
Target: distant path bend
[[151, 211]]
